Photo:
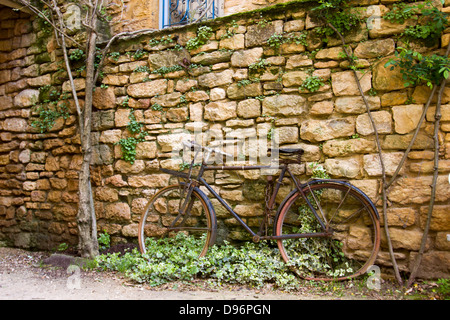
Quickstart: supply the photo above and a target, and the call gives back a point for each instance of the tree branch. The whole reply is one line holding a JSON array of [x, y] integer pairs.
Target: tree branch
[[43, 16], [383, 170], [437, 117]]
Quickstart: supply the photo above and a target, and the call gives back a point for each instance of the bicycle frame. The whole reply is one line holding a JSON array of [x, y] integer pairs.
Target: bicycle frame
[[192, 183]]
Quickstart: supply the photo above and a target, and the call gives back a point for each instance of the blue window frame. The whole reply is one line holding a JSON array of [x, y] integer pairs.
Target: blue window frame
[[180, 12]]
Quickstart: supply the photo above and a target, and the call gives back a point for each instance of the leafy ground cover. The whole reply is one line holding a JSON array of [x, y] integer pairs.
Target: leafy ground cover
[[173, 264]]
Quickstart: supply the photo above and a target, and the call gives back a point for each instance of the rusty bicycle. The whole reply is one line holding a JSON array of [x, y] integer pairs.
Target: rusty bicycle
[[326, 216]]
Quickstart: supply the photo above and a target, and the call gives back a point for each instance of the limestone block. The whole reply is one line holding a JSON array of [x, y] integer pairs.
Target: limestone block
[[41, 81], [322, 108], [249, 210], [401, 141], [441, 241], [196, 111], [356, 236], [348, 168], [236, 42], [294, 78], [344, 83], [369, 187], [382, 120], [244, 58], [249, 108], [7, 102], [294, 25], [25, 156], [336, 148], [445, 113], [417, 190], [110, 136], [217, 94], [15, 125], [131, 230], [434, 264], [386, 79], [284, 104], [118, 212], [151, 180], [147, 89], [236, 91], [405, 239], [220, 110], [440, 217], [146, 150], [334, 53], [373, 167], [186, 85], [257, 35], [104, 98], [375, 48], [123, 166], [26, 98], [287, 134], [212, 57], [115, 80], [79, 84], [386, 28], [169, 142], [167, 100], [356, 105], [177, 114], [167, 58], [406, 117], [399, 217], [394, 98], [106, 194], [216, 79], [422, 93], [102, 154], [321, 130], [297, 61]]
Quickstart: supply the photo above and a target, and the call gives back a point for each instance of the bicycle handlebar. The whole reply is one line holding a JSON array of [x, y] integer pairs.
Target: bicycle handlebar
[[193, 145]]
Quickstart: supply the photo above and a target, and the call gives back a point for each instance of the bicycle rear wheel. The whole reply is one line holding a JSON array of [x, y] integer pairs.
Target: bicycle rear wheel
[[353, 237], [164, 218]]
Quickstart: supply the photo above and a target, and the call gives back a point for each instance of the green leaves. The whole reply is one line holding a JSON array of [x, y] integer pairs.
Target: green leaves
[[339, 14], [203, 35], [128, 145], [174, 259], [312, 84], [48, 114], [417, 68]]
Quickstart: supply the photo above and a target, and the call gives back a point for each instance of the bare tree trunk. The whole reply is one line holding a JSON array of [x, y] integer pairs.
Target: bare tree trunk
[[88, 243]]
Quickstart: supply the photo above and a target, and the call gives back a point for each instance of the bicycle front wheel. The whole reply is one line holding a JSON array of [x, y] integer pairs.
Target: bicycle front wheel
[[183, 223], [350, 231]]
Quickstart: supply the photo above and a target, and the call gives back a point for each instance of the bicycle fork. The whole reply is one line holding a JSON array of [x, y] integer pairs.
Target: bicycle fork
[[184, 208]]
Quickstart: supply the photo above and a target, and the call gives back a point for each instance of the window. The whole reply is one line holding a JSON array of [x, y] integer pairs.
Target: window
[[180, 12]]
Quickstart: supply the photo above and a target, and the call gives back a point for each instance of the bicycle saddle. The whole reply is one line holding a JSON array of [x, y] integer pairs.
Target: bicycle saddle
[[298, 151], [289, 155]]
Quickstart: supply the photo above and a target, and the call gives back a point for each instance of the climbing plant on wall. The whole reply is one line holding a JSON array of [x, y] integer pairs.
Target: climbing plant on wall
[[432, 70]]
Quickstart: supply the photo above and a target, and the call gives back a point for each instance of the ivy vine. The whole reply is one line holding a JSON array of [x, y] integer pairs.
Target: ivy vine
[[128, 145]]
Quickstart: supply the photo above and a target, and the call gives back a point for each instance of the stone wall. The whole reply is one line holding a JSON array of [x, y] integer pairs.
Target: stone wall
[[218, 89]]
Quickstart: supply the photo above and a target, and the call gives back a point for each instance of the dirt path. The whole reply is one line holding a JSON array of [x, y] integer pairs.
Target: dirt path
[[22, 277]]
